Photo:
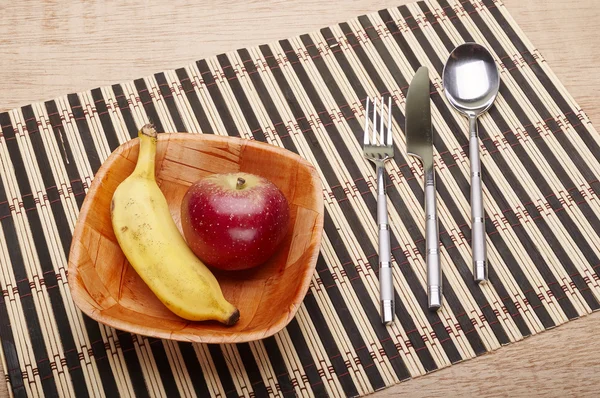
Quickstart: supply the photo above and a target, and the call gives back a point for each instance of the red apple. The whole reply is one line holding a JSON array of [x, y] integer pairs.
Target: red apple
[[234, 221]]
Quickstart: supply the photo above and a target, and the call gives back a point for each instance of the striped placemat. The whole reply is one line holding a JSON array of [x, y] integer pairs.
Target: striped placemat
[[540, 159]]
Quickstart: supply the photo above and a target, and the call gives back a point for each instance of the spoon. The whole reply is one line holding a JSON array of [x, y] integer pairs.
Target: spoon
[[471, 82]]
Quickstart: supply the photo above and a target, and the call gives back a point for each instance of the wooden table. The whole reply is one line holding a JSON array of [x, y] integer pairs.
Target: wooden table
[[53, 47]]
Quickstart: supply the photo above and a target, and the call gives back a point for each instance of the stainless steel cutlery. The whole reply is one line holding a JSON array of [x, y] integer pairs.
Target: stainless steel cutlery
[[419, 143], [471, 82], [378, 148]]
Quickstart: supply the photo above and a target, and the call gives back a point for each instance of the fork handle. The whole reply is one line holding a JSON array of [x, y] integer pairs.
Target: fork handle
[[477, 219], [432, 257], [386, 285]]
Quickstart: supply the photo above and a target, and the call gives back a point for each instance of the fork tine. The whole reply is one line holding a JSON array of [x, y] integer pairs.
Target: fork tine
[[381, 130], [366, 136], [389, 126], [374, 122]]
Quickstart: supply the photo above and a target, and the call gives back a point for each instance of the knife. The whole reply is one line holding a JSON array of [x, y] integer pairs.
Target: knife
[[419, 143]]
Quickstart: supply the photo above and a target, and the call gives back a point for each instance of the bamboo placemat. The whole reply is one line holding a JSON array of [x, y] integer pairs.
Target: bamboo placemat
[[540, 159]]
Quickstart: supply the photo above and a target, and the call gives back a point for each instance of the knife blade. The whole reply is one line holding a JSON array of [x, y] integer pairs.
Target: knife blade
[[419, 143]]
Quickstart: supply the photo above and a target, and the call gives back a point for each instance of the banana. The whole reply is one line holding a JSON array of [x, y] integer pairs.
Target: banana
[[156, 249]]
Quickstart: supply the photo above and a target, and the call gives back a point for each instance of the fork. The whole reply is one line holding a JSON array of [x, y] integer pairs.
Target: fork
[[379, 153]]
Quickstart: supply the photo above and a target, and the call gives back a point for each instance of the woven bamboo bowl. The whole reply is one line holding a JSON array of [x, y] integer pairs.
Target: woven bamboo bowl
[[106, 288]]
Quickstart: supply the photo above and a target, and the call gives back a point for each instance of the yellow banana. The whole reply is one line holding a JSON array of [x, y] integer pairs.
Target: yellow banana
[[156, 249]]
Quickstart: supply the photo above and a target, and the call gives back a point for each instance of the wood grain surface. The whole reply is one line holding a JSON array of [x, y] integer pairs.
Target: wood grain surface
[[53, 47]]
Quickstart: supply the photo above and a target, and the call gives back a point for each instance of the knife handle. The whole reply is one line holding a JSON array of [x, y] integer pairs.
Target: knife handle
[[480, 272], [386, 284], [432, 257]]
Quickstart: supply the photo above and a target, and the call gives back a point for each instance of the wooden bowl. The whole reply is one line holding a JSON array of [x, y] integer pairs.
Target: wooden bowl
[[107, 288]]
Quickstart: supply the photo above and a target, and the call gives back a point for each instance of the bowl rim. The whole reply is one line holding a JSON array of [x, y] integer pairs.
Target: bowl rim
[[82, 300]]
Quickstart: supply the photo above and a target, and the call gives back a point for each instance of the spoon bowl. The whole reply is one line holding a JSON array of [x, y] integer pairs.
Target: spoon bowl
[[471, 79], [471, 82]]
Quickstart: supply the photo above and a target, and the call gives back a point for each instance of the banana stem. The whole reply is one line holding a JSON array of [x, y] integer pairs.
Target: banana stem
[[147, 153]]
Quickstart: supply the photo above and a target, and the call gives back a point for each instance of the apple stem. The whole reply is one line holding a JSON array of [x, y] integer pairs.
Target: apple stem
[[240, 183]]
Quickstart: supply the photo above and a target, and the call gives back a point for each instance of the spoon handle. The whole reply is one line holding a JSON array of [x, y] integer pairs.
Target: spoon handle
[[477, 218]]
